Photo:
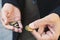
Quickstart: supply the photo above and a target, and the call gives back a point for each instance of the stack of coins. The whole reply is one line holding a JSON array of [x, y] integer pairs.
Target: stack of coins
[[15, 24]]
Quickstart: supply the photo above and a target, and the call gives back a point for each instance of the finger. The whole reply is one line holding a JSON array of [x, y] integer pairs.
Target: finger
[[52, 26], [51, 30], [20, 25], [16, 29], [36, 34], [6, 26], [45, 36], [41, 30], [55, 35], [38, 23], [3, 17], [50, 34], [10, 27], [20, 30]]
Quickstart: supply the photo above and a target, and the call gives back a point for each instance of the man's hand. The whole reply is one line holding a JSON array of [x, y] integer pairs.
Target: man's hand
[[51, 22], [10, 13]]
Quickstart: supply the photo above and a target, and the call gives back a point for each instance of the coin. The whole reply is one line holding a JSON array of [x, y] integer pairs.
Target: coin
[[15, 24], [27, 28]]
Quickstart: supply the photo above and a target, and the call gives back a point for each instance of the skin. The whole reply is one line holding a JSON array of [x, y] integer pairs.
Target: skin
[[53, 22], [11, 13]]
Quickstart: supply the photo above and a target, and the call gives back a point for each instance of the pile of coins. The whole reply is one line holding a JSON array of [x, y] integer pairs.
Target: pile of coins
[[15, 24]]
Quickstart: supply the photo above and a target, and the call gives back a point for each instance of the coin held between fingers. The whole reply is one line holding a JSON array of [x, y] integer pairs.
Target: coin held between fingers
[[27, 28], [15, 24]]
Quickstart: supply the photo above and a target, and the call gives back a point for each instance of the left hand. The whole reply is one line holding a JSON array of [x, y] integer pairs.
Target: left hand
[[10, 13], [53, 23]]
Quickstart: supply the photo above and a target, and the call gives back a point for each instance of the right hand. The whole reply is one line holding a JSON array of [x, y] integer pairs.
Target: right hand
[[53, 22], [11, 13]]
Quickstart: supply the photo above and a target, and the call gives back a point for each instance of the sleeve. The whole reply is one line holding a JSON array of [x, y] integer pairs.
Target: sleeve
[[14, 2], [56, 10]]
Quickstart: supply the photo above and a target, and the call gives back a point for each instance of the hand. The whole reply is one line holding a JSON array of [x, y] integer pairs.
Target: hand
[[53, 23], [10, 13]]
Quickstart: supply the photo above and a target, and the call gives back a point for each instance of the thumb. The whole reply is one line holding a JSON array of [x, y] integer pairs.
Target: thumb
[[33, 26]]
